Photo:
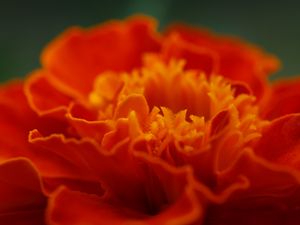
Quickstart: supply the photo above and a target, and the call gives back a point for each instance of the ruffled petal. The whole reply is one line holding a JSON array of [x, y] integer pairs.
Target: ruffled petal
[[21, 198], [130, 127], [43, 97], [85, 123], [83, 54], [235, 55], [164, 185], [132, 181], [202, 59], [171, 192], [17, 119], [56, 156], [237, 60], [270, 198]]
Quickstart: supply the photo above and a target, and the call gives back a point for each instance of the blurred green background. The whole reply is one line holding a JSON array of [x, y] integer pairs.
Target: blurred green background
[[26, 26]]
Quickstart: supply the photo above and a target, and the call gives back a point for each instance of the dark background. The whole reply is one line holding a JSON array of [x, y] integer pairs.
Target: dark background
[[26, 26]]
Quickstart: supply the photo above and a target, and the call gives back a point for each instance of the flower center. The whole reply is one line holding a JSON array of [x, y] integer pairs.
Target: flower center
[[182, 109], [166, 85]]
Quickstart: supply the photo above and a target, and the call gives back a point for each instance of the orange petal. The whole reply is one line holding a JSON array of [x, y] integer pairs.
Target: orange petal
[[83, 160], [283, 99], [119, 134], [59, 157], [17, 119], [22, 200], [196, 57], [133, 102], [237, 54], [63, 161], [77, 56], [43, 97], [237, 60], [56, 156], [85, 123], [182, 206], [134, 182]]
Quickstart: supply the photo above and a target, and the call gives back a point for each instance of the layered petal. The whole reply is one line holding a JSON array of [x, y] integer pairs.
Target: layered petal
[[43, 97], [61, 159], [86, 124], [83, 54], [17, 119], [271, 197], [135, 182], [199, 58], [21, 197], [122, 125], [185, 207], [235, 59]]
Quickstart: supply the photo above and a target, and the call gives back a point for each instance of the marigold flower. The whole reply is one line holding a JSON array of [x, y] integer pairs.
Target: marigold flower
[[125, 125]]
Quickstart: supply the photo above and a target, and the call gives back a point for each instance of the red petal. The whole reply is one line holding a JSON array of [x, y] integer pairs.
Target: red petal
[[235, 55], [134, 182], [163, 184], [43, 97], [64, 161], [171, 191], [56, 156], [85, 123], [70, 208], [271, 196], [237, 60], [270, 181], [283, 99], [22, 200], [90, 187], [219, 123], [252, 216], [280, 142], [17, 119], [196, 57], [240, 88], [78, 56]]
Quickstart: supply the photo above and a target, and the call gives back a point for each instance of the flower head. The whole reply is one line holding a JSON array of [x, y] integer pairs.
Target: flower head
[[124, 125]]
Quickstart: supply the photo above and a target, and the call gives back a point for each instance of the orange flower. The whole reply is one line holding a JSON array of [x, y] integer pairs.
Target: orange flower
[[124, 125]]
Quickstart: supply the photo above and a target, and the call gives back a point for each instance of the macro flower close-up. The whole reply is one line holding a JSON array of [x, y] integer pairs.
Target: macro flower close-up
[[125, 124]]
